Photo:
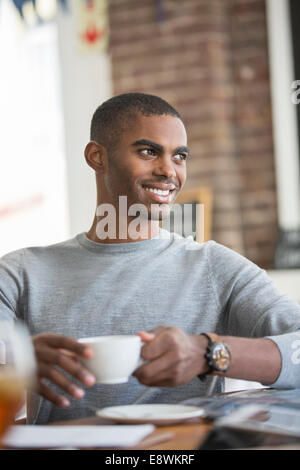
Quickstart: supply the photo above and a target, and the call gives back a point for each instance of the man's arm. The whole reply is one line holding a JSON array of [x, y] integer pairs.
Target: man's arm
[[175, 358], [255, 359], [260, 327], [52, 351]]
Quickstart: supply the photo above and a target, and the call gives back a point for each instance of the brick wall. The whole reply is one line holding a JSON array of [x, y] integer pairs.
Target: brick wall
[[209, 59]]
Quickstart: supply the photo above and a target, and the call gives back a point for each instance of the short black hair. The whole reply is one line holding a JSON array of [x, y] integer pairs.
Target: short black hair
[[113, 116]]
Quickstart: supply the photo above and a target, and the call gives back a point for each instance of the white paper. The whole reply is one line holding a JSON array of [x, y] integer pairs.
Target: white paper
[[34, 436]]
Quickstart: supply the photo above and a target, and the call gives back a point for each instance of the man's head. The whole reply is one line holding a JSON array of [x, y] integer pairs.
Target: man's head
[[117, 114], [138, 149]]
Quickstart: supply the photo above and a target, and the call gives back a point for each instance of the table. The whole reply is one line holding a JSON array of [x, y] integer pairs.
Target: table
[[187, 436]]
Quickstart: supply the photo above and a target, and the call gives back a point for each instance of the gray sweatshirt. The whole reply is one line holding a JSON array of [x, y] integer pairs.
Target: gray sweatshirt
[[82, 288]]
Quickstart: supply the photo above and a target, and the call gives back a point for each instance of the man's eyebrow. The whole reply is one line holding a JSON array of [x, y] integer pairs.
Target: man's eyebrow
[[149, 143], [158, 147], [183, 148]]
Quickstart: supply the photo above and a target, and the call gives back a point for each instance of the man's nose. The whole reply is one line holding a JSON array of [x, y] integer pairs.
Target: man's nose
[[165, 167]]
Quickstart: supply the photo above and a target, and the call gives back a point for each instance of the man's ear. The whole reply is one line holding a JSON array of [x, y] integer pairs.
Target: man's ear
[[96, 156]]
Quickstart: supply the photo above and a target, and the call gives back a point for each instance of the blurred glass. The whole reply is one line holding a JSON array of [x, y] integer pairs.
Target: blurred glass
[[17, 371]]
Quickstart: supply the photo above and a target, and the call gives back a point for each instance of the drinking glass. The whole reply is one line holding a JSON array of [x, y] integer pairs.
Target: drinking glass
[[17, 371]]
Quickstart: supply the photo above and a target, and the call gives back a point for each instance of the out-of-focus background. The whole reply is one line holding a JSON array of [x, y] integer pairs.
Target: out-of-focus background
[[230, 68]]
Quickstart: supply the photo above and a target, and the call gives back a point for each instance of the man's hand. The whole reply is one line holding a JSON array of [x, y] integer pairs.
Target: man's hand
[[54, 350], [175, 357]]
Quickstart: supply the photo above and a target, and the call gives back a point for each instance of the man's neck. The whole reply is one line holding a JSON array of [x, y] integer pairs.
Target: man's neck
[[125, 231]]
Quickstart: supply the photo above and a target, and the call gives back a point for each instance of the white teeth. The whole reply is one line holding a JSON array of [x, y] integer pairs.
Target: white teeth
[[160, 192]]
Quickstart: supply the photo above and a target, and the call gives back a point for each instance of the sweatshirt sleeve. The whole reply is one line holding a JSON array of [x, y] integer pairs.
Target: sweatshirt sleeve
[[11, 285], [253, 307]]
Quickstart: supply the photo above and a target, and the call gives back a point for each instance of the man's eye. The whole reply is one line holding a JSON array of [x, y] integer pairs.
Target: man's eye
[[181, 156], [149, 152]]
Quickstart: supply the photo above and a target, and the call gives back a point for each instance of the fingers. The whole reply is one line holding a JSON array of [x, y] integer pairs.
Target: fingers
[[49, 394], [62, 382], [159, 372], [69, 344], [145, 336], [54, 350], [66, 362], [165, 339], [150, 335], [173, 357], [158, 329]]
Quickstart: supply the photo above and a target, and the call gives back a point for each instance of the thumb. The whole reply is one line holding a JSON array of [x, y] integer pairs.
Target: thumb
[[145, 336]]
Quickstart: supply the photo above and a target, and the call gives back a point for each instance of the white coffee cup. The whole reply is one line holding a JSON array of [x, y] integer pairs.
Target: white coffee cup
[[115, 357]]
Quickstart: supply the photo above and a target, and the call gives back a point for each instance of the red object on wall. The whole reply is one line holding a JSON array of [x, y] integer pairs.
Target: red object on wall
[[92, 24], [92, 34]]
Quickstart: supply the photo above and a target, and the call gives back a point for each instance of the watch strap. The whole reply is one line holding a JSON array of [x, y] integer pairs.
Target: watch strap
[[213, 339], [210, 341]]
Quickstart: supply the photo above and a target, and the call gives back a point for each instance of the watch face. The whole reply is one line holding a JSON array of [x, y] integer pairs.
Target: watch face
[[221, 356]]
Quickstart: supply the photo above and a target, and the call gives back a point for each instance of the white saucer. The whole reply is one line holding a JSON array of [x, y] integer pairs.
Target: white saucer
[[154, 414]]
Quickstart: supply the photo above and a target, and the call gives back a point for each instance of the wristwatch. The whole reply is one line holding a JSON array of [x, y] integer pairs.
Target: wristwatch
[[217, 355]]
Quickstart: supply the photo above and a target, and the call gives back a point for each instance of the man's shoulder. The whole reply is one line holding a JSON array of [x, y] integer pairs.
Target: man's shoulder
[[217, 253], [38, 251], [187, 242]]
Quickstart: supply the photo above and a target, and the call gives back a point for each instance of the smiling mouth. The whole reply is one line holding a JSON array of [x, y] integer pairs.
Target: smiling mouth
[[160, 194]]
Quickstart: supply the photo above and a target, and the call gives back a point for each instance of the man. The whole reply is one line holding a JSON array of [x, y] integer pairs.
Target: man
[[167, 289]]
